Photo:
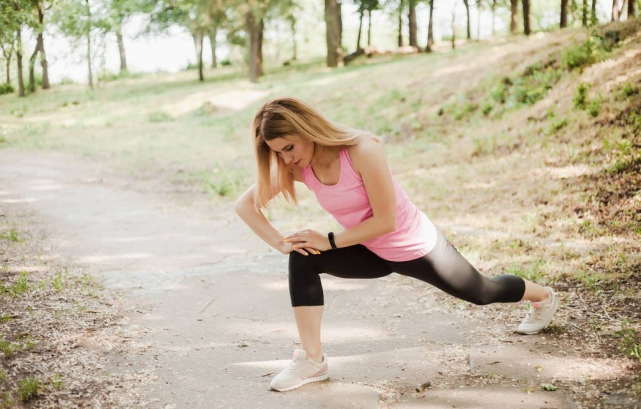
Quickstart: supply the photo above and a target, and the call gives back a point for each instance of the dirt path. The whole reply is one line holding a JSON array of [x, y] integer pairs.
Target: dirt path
[[213, 303]]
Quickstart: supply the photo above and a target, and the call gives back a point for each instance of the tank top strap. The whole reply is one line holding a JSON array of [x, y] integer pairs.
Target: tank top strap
[[347, 167]]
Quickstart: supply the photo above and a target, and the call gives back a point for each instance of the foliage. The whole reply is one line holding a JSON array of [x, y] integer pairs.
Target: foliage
[[581, 96], [6, 89]]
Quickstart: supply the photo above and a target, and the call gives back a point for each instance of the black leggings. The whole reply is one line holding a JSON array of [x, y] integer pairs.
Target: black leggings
[[443, 267]]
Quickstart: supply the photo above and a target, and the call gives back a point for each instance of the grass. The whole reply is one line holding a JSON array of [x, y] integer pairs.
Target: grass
[[28, 389], [12, 236]]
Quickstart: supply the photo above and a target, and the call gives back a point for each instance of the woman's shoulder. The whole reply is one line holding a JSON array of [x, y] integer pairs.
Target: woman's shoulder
[[365, 152]]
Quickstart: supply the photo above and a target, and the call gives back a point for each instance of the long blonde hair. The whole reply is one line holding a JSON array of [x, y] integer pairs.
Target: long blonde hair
[[292, 119]]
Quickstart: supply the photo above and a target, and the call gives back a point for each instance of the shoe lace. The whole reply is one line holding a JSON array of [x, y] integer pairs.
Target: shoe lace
[[294, 364]]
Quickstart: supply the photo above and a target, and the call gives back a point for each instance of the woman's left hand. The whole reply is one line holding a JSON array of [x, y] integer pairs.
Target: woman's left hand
[[308, 239]]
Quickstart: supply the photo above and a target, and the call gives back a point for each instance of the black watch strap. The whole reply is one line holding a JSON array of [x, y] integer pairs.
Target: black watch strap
[[330, 236]]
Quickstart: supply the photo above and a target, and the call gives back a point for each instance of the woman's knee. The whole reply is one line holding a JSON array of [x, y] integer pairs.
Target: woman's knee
[[299, 263]]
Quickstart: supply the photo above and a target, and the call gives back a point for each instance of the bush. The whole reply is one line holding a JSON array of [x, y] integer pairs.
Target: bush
[[6, 89], [581, 96], [629, 90], [594, 107], [580, 56]]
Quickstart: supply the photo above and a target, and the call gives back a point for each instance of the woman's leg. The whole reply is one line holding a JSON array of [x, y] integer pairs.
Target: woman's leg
[[308, 322], [306, 289], [535, 292], [445, 268]]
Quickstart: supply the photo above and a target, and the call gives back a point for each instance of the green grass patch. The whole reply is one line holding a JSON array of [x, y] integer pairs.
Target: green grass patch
[[629, 341], [28, 389], [12, 236]]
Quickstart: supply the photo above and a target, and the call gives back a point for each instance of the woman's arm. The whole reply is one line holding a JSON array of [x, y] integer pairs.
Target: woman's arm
[[368, 158], [369, 161], [257, 221]]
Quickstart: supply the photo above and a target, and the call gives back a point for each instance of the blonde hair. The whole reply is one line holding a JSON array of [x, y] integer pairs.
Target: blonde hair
[[292, 119]]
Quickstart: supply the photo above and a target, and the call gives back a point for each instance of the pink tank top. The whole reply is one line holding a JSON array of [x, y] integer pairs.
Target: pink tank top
[[347, 201]]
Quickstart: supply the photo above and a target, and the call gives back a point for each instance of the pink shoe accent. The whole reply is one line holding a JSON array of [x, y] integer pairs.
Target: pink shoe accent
[[321, 371]]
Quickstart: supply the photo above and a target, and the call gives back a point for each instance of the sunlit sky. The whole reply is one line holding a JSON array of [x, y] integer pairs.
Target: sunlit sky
[[175, 50]]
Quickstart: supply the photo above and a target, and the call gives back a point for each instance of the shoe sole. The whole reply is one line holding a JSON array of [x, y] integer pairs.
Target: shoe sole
[[556, 306], [323, 377]]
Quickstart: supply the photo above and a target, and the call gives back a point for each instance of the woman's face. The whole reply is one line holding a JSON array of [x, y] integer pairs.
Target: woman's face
[[298, 152]]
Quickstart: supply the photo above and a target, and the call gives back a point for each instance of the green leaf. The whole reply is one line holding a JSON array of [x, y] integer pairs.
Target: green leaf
[[548, 387]]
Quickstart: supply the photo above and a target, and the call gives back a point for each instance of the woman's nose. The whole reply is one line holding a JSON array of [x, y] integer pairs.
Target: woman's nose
[[286, 158]]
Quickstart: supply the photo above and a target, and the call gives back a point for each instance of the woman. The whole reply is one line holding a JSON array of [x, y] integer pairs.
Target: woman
[[384, 231]]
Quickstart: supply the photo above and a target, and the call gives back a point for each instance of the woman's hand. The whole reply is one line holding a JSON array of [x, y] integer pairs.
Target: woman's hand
[[287, 248], [308, 240]]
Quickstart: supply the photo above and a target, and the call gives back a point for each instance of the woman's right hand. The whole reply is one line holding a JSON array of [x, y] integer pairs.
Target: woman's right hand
[[287, 248]]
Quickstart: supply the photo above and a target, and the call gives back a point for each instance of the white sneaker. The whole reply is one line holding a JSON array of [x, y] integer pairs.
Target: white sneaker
[[299, 372], [540, 315]]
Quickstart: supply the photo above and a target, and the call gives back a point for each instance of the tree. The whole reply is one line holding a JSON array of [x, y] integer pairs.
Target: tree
[[77, 20], [38, 26], [8, 30], [400, 23], [430, 31], [412, 23], [365, 6], [564, 13], [479, 9], [203, 17], [514, 16], [632, 8], [526, 17], [493, 9], [333, 33], [615, 10], [593, 17], [584, 13], [467, 13], [19, 15], [118, 12]]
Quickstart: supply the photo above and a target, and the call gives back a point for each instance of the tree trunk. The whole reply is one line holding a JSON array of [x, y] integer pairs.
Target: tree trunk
[[412, 23], [31, 86], [40, 46], [255, 30], [360, 28], [333, 33], [526, 17], [493, 16], [19, 60], [615, 10], [479, 10], [454, 28], [121, 50], [292, 22], [400, 24], [632, 8], [369, 27], [198, 36], [564, 13], [430, 30], [624, 6], [44, 63], [593, 18], [584, 14], [514, 19], [8, 69], [90, 73], [467, 13]]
